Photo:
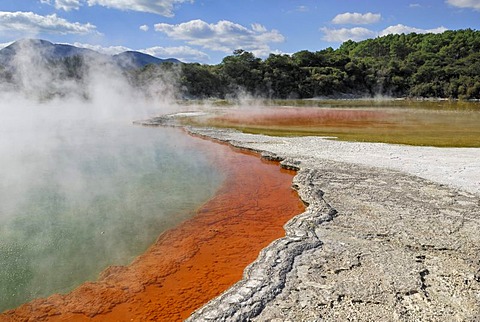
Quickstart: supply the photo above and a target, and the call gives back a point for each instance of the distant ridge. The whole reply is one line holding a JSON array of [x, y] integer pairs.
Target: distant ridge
[[50, 51], [137, 59], [44, 49]]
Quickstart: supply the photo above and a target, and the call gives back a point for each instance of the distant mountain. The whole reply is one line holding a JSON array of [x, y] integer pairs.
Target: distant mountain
[[135, 59], [41, 48], [34, 49]]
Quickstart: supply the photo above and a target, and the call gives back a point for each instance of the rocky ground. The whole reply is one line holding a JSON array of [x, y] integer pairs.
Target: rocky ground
[[391, 233]]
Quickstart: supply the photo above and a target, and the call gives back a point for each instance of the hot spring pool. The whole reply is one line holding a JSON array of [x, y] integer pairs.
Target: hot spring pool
[[77, 196]]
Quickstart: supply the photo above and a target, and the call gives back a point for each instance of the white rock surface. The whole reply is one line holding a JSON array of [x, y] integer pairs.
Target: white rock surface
[[391, 233]]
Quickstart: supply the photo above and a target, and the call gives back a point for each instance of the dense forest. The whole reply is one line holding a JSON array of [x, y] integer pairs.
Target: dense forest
[[445, 65]]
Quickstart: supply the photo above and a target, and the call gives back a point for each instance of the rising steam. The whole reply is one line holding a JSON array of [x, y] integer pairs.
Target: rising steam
[[81, 188]]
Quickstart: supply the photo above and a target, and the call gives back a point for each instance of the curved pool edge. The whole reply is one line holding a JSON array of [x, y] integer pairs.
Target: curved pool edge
[[107, 298], [336, 263]]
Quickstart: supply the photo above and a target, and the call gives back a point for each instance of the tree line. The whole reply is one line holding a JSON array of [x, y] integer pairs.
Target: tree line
[[445, 65]]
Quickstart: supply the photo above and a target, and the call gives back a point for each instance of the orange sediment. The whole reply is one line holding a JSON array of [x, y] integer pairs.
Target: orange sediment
[[192, 263], [371, 123], [304, 117]]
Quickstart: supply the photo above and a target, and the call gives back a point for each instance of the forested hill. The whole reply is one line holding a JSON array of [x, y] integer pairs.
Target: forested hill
[[445, 65]]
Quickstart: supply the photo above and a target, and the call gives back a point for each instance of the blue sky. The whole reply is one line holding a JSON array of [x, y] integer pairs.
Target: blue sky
[[205, 31]]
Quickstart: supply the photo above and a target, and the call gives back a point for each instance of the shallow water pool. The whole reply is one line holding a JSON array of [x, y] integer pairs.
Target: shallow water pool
[[441, 124], [78, 196]]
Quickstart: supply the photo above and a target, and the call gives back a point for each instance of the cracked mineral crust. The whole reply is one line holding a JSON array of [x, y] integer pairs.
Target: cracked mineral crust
[[375, 243]]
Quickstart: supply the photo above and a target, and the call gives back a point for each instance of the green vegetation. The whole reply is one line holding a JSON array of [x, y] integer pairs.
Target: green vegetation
[[443, 65]]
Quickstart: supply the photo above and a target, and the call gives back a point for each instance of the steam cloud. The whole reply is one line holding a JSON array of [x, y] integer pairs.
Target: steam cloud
[[78, 182]]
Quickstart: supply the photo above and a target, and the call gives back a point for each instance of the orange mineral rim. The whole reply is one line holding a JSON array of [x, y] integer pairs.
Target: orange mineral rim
[[193, 262]]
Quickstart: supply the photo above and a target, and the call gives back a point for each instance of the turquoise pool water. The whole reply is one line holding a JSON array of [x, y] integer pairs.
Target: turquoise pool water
[[77, 196]]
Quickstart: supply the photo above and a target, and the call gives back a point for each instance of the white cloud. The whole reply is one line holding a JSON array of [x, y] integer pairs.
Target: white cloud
[[344, 34], [66, 5], [31, 23], [355, 18], [111, 50], [258, 28], [144, 28], [224, 36], [402, 29], [359, 33], [183, 53], [162, 7], [5, 44], [415, 5], [472, 4]]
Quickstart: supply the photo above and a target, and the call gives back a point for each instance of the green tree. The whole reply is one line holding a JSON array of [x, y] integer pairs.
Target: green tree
[[243, 70]]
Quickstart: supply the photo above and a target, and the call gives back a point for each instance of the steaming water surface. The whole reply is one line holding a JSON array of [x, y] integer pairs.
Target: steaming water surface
[[78, 195]]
